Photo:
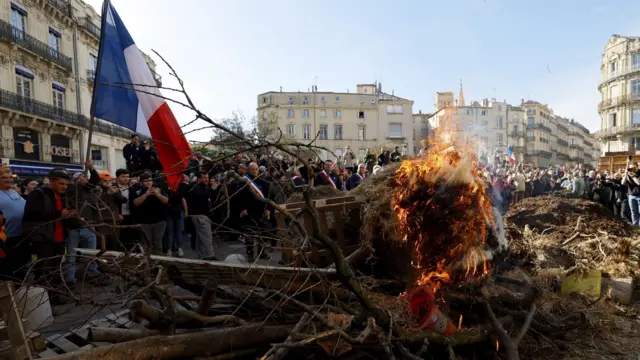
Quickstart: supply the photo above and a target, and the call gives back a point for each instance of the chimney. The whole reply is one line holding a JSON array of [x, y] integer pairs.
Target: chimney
[[420, 112], [280, 88], [521, 102], [393, 93], [379, 87]]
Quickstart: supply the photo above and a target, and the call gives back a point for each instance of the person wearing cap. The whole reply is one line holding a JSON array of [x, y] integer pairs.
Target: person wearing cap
[[150, 212], [44, 225], [111, 201], [82, 196], [131, 153]]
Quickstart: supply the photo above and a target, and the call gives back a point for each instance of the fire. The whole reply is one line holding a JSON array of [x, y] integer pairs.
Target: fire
[[444, 212]]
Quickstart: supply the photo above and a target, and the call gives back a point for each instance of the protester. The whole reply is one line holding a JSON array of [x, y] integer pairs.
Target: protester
[[256, 213], [28, 186], [150, 212], [111, 202], [200, 199], [357, 178], [131, 153], [17, 252]]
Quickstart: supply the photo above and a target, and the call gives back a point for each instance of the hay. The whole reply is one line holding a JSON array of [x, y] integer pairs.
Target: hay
[[571, 234]]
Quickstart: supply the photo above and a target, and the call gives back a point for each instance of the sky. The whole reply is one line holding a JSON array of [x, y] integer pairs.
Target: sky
[[228, 52]]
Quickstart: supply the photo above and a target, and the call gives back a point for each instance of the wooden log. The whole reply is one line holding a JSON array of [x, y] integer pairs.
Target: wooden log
[[206, 343], [114, 335]]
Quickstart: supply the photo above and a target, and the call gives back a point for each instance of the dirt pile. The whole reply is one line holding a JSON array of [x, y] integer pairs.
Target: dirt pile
[[571, 234]]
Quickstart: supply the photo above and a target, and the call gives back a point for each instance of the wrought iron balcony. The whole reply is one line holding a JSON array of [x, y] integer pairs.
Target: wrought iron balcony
[[531, 138], [588, 143], [618, 100], [516, 134], [562, 156], [618, 73], [562, 142], [620, 129], [61, 5], [542, 127], [12, 101], [576, 146], [542, 153], [92, 28], [562, 127], [28, 42]]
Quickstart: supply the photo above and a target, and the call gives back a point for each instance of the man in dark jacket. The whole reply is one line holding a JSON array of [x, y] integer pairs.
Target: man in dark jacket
[[256, 214], [43, 227], [327, 178], [356, 178], [131, 153], [148, 157], [110, 206], [200, 199], [396, 155], [150, 204]]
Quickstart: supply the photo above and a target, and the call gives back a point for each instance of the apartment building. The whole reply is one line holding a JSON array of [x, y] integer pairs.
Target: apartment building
[[619, 88], [367, 118], [535, 135], [48, 56]]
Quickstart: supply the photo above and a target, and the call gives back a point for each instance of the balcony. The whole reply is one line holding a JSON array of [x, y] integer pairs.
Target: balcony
[[396, 135], [618, 73], [615, 130], [519, 149], [562, 127], [542, 127], [12, 101], [531, 138], [542, 153], [28, 42], [91, 76], [562, 142], [562, 156], [516, 134], [576, 146], [62, 5], [588, 155], [588, 143], [91, 28], [618, 100]]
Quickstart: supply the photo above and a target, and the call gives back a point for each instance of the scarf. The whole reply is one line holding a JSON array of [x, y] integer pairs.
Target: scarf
[[254, 187], [328, 178]]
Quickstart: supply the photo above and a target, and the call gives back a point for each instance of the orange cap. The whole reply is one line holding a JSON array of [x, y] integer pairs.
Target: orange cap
[[105, 176]]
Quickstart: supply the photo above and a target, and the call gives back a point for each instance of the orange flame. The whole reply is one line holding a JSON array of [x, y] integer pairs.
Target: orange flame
[[444, 212]]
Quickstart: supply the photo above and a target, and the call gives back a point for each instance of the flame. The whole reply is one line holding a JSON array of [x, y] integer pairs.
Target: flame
[[444, 212]]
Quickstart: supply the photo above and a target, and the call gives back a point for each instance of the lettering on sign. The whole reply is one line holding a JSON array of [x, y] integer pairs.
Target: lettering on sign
[[60, 151]]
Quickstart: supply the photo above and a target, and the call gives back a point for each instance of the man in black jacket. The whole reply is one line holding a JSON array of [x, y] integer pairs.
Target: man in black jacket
[[131, 153], [110, 206], [356, 178], [256, 214], [43, 226], [150, 212], [326, 177], [200, 199]]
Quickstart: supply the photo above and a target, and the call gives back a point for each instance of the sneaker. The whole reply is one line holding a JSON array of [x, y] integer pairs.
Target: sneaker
[[169, 253], [180, 252]]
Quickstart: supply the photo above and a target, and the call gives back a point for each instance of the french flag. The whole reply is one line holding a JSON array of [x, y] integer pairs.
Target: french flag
[[126, 94], [510, 156]]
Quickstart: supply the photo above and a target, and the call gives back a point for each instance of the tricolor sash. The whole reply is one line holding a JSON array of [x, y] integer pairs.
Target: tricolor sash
[[328, 178], [256, 190]]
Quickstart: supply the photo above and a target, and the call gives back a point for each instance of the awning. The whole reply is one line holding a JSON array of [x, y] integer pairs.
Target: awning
[[27, 168]]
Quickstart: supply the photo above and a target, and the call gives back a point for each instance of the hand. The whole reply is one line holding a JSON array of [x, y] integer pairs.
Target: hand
[[66, 213], [244, 212], [88, 165], [267, 214], [121, 217]]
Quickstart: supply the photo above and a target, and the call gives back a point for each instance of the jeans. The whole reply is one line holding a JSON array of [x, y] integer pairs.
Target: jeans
[[173, 233], [79, 238], [205, 244], [634, 204]]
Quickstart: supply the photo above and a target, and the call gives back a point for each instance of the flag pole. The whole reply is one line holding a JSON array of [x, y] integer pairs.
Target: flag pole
[[96, 80]]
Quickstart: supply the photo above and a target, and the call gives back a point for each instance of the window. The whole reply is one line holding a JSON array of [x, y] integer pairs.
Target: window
[[635, 116], [515, 129], [395, 130], [530, 122], [290, 99], [634, 143], [291, 129], [23, 85], [360, 114], [306, 131], [323, 132], [531, 111], [337, 114], [305, 100], [469, 111], [635, 87], [468, 127], [614, 119], [19, 21], [323, 113], [337, 99], [361, 101], [613, 92], [499, 139], [483, 112], [635, 61], [323, 99], [305, 113], [93, 63], [500, 122], [612, 68], [530, 134], [99, 156], [499, 107], [394, 109], [337, 132], [484, 139], [484, 125], [54, 42], [58, 100], [362, 132], [290, 113]]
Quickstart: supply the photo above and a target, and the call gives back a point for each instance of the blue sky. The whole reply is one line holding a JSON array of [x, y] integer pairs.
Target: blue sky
[[228, 52]]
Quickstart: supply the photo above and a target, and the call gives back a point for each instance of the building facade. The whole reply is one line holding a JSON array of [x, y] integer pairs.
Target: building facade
[[420, 131], [362, 120], [619, 88], [48, 56], [532, 131]]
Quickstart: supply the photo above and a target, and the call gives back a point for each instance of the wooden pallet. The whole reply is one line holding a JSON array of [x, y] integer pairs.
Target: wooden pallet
[[331, 214], [77, 340]]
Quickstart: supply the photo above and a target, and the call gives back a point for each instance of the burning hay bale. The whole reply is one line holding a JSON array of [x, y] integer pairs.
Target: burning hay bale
[[572, 234]]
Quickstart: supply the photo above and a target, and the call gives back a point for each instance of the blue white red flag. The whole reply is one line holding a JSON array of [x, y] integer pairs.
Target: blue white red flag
[[510, 156], [126, 94]]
